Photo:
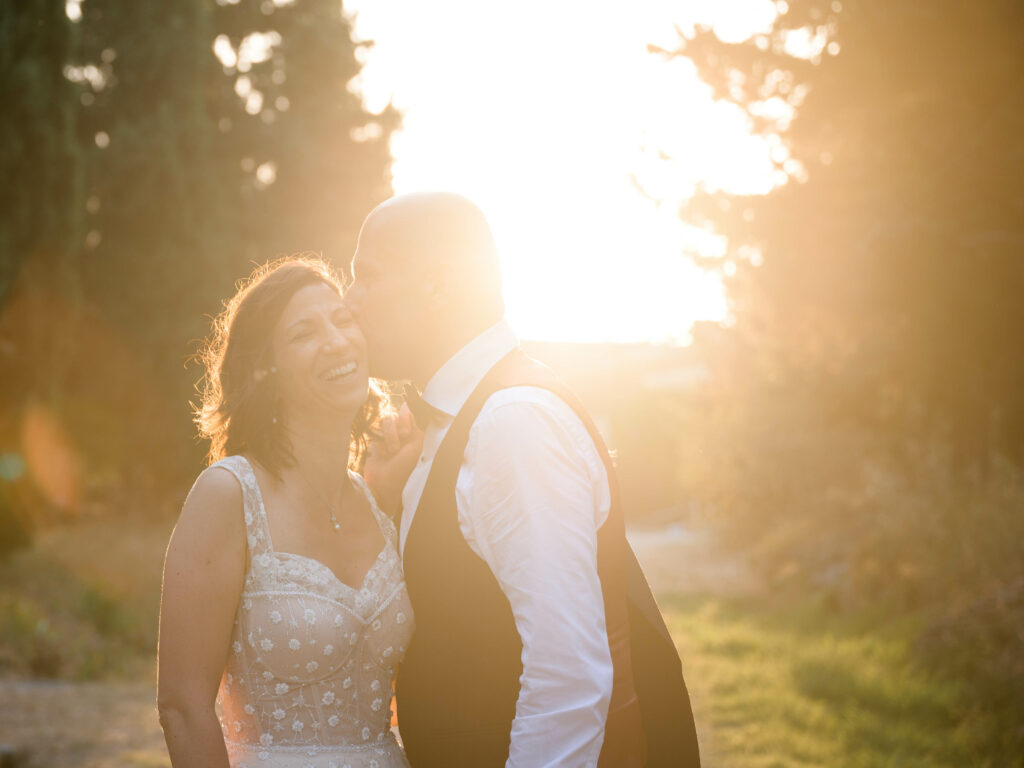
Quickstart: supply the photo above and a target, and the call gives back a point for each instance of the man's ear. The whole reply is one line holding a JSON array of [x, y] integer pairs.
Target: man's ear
[[436, 289]]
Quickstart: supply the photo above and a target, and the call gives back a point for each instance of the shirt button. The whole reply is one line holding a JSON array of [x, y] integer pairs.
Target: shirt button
[[422, 459]]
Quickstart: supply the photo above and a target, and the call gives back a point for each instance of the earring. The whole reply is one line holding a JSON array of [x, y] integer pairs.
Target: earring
[[261, 373]]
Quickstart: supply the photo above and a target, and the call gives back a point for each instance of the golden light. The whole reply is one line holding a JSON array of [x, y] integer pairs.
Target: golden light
[[52, 460], [578, 144]]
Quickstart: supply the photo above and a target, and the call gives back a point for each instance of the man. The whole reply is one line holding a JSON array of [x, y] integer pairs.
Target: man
[[528, 651]]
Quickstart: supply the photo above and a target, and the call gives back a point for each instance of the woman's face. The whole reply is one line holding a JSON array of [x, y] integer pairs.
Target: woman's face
[[320, 354]]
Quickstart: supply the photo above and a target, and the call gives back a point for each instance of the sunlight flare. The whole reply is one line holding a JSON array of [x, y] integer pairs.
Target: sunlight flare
[[580, 153]]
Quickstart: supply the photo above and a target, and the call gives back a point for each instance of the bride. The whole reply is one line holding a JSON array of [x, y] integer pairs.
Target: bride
[[283, 597]]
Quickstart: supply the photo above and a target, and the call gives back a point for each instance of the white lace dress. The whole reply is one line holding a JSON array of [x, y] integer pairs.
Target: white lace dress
[[308, 677]]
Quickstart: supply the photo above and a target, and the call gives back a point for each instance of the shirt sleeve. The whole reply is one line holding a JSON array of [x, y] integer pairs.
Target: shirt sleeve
[[531, 495]]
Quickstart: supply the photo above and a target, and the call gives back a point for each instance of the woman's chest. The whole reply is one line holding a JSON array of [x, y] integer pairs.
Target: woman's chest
[[292, 633]]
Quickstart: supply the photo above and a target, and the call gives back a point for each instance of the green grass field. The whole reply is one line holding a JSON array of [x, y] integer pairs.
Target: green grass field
[[788, 687], [82, 602]]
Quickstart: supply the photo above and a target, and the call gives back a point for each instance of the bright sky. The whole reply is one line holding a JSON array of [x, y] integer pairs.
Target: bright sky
[[546, 113]]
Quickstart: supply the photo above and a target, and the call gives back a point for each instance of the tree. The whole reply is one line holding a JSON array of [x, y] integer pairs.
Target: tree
[[314, 160], [40, 215], [37, 148], [865, 419], [893, 251], [163, 147]]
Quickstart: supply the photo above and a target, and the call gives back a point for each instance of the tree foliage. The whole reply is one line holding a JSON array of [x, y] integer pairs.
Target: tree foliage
[[894, 253], [38, 165], [868, 403], [152, 152]]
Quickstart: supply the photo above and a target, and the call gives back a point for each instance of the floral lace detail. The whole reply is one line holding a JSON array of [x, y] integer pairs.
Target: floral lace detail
[[312, 658]]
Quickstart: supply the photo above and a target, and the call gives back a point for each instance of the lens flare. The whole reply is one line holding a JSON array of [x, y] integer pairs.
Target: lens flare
[[53, 463]]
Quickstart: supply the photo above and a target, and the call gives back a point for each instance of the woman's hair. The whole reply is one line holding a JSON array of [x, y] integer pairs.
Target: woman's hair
[[237, 409]]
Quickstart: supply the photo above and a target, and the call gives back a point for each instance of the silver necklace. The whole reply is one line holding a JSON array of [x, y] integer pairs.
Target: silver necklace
[[330, 507]]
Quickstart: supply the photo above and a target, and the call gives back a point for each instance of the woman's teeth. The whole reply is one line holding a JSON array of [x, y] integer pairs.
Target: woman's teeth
[[341, 370]]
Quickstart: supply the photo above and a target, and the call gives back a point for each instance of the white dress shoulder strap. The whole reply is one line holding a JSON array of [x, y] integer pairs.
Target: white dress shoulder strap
[[385, 523], [257, 530]]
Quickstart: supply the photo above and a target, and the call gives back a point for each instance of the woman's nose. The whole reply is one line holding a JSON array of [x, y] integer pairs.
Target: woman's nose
[[334, 338]]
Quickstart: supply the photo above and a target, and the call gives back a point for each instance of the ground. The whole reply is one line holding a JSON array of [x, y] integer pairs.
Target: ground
[[82, 725], [114, 724], [773, 684]]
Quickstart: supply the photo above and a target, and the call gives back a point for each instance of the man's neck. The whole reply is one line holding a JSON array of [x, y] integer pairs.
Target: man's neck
[[441, 351]]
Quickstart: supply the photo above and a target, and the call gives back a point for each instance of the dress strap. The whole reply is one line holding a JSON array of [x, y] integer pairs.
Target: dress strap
[[385, 523], [257, 530]]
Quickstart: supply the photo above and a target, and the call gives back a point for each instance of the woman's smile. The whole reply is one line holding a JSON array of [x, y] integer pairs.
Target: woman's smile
[[340, 371]]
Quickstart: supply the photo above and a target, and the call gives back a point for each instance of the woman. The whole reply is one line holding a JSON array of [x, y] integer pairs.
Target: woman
[[283, 596]]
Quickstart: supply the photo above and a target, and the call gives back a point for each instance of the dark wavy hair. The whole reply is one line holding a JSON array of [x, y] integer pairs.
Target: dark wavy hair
[[238, 390]]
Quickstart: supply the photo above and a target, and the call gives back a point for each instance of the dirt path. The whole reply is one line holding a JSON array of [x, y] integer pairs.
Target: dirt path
[[114, 724], [677, 559], [82, 725]]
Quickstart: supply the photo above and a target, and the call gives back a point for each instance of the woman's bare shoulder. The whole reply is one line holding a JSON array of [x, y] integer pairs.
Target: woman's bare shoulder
[[214, 506]]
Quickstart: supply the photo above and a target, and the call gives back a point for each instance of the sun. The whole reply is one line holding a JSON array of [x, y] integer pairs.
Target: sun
[[580, 147]]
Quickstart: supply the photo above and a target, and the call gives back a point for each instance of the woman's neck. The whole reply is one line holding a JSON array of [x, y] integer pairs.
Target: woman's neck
[[321, 451]]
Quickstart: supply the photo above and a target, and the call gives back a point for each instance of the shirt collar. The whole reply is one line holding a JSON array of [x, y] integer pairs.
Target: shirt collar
[[450, 387]]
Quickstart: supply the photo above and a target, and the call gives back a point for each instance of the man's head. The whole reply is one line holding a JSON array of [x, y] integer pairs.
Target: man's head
[[427, 281]]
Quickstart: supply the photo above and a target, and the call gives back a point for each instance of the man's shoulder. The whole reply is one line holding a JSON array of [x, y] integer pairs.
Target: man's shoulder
[[522, 400], [525, 405], [526, 416]]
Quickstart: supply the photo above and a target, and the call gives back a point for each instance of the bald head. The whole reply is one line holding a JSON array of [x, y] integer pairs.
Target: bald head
[[426, 267], [439, 228]]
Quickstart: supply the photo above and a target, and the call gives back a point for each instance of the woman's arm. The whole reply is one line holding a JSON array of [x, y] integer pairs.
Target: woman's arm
[[203, 577]]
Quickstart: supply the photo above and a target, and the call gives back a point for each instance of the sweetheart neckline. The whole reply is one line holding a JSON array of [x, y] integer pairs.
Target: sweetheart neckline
[[381, 557], [374, 510]]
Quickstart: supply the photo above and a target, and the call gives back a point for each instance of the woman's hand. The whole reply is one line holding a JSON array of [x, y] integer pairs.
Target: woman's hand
[[391, 457]]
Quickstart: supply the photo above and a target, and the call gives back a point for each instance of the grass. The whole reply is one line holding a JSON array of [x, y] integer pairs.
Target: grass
[[776, 687], [81, 603]]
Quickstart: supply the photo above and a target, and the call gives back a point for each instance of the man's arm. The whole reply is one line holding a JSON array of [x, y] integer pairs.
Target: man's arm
[[531, 496]]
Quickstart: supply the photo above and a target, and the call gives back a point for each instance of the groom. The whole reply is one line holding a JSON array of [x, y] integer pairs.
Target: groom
[[537, 640]]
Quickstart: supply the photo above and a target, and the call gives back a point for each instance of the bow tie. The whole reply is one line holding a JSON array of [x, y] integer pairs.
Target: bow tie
[[422, 411]]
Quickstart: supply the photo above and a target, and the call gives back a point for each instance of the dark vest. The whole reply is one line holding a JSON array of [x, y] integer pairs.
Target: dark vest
[[459, 682]]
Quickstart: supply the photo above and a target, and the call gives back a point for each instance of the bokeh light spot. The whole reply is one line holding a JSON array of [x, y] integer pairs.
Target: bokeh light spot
[[12, 467], [51, 458]]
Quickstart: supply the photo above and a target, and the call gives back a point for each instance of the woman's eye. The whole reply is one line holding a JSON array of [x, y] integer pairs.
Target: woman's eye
[[301, 336]]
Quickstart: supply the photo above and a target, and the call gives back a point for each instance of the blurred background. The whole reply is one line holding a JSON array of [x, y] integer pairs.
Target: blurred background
[[777, 248]]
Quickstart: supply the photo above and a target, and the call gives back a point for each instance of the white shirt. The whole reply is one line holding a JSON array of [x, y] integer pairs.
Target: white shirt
[[531, 493]]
